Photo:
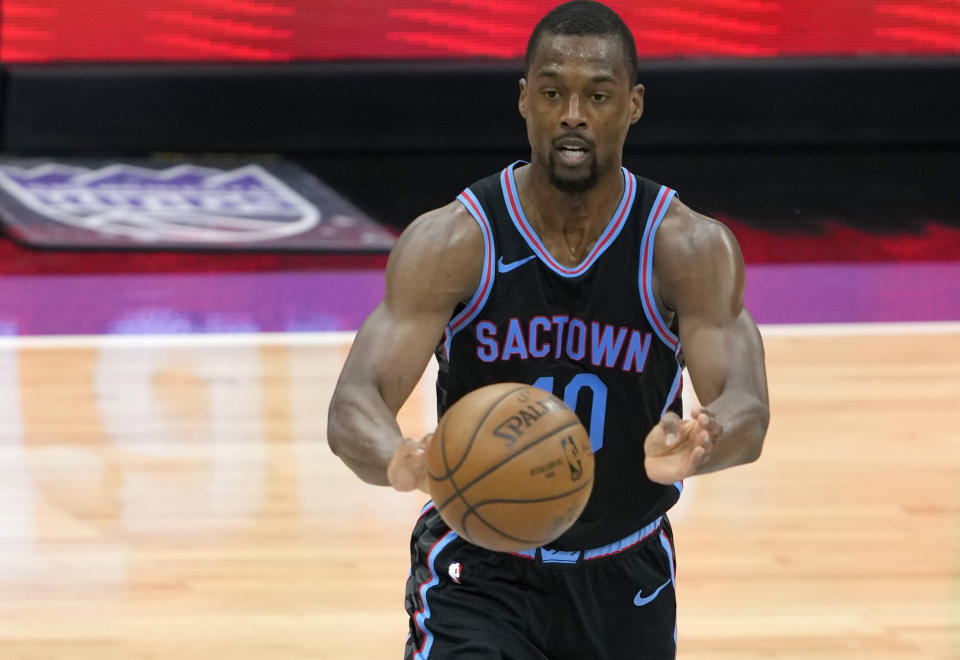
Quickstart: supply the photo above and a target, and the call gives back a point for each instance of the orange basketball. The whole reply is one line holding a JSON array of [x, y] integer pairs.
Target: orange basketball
[[510, 467]]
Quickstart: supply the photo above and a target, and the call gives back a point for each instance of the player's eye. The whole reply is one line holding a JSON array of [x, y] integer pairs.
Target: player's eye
[[551, 93]]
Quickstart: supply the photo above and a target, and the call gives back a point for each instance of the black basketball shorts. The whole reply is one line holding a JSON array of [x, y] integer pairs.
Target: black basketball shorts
[[467, 603]]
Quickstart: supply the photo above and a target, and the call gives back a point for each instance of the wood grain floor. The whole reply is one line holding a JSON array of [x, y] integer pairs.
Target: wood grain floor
[[177, 500]]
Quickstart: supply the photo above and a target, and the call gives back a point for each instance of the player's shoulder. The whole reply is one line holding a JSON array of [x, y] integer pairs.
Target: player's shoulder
[[696, 259], [686, 235], [442, 230], [442, 248]]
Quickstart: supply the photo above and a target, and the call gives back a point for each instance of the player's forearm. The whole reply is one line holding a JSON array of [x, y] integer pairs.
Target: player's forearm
[[744, 419], [364, 434]]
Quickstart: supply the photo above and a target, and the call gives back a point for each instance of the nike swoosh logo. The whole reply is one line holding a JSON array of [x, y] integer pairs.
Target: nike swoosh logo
[[506, 268], [640, 600]]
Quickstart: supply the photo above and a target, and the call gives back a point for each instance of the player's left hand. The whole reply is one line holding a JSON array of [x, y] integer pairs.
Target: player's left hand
[[675, 448], [407, 469]]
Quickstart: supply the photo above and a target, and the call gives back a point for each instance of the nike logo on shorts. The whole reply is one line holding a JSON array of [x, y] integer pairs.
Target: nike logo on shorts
[[640, 600], [506, 268]]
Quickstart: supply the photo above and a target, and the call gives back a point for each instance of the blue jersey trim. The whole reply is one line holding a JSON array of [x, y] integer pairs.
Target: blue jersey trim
[[645, 276], [665, 542], [548, 556], [480, 296], [426, 509], [614, 226], [674, 390], [424, 612], [624, 543], [672, 395]]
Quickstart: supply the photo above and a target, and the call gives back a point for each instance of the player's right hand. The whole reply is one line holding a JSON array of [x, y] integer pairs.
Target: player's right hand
[[676, 448], [408, 467]]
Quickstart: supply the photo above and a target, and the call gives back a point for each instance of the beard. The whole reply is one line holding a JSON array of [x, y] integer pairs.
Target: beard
[[578, 185]]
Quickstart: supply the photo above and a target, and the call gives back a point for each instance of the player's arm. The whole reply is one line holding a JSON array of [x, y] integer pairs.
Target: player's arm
[[700, 277], [435, 264]]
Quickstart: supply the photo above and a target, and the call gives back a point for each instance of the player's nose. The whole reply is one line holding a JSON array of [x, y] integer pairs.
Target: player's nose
[[572, 113]]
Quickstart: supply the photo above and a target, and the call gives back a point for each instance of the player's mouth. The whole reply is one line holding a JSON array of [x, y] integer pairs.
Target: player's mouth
[[572, 152]]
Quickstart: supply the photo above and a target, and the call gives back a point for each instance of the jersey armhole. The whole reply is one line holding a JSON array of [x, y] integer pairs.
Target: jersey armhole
[[480, 296], [645, 282], [645, 276]]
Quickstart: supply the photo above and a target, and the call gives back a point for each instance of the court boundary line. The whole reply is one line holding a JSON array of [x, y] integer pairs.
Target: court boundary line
[[345, 337], [225, 339], [876, 329]]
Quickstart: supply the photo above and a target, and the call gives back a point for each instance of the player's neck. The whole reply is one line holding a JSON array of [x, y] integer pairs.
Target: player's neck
[[568, 223]]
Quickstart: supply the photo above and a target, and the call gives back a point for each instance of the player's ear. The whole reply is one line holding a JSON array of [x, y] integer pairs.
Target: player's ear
[[636, 102], [522, 102]]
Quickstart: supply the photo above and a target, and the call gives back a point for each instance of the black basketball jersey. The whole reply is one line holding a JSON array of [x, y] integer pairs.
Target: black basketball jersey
[[591, 334]]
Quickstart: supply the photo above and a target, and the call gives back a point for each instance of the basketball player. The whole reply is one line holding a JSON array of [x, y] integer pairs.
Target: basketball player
[[571, 273]]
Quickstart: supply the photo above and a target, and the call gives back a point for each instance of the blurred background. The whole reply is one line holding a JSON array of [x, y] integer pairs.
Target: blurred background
[[819, 131], [197, 199]]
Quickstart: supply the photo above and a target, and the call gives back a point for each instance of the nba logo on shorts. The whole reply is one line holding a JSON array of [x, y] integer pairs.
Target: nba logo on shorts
[[454, 571]]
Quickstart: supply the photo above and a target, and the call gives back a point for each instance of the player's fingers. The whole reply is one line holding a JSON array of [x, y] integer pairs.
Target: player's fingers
[[708, 421], [697, 456], [654, 443], [704, 436], [670, 424], [670, 420], [690, 433], [400, 477], [702, 416], [707, 447], [416, 453], [407, 465], [423, 444], [397, 474]]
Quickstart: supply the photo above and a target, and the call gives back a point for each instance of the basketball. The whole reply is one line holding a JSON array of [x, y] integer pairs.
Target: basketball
[[510, 467]]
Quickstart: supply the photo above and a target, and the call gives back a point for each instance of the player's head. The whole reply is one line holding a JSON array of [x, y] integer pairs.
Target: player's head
[[579, 95], [581, 18]]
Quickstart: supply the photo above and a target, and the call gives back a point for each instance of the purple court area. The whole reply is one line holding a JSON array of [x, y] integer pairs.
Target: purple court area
[[338, 300], [854, 293]]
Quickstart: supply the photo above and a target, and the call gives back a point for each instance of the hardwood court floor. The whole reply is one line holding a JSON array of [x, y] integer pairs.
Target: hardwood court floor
[[176, 499]]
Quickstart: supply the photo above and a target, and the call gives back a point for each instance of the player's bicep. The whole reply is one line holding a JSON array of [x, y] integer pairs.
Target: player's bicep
[[434, 266], [704, 280]]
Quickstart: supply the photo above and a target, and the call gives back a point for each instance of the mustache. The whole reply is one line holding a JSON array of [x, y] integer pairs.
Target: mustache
[[575, 136]]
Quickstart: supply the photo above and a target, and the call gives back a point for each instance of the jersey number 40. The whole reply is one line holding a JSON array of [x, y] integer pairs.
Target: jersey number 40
[[571, 396]]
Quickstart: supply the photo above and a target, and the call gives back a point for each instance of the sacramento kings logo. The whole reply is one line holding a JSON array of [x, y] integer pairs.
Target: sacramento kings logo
[[183, 204]]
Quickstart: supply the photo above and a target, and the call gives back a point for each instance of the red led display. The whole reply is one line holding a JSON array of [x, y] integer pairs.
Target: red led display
[[310, 30]]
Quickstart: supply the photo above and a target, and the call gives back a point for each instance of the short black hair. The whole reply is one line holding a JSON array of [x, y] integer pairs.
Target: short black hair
[[585, 17]]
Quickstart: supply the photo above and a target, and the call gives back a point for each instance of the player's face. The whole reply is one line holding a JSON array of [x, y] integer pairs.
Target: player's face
[[579, 102]]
